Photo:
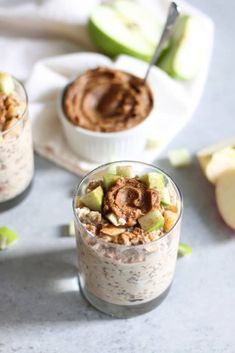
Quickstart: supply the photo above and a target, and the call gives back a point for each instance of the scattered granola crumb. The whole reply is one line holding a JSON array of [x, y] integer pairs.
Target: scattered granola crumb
[[89, 217]]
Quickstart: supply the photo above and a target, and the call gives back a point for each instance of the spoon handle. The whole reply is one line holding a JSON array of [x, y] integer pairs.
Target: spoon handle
[[173, 13]]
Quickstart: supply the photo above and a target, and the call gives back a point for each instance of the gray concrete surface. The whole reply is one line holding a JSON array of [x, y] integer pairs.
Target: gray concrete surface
[[41, 309]]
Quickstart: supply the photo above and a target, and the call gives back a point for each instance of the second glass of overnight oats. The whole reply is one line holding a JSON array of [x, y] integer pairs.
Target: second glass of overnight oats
[[127, 221], [16, 148]]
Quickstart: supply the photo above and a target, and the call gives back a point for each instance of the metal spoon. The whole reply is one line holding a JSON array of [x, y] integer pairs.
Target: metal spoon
[[173, 13]]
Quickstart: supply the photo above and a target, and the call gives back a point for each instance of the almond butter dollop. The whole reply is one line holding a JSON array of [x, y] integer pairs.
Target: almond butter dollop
[[107, 100], [130, 199]]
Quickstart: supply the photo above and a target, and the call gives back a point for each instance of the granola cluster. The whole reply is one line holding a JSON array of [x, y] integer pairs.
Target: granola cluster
[[135, 236], [96, 224], [11, 110]]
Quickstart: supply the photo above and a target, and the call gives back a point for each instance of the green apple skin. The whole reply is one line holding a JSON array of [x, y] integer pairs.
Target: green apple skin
[[124, 27], [167, 58], [183, 57], [7, 237], [107, 45]]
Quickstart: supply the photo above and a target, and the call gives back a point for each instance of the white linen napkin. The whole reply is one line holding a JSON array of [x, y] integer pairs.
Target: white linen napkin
[[58, 21]]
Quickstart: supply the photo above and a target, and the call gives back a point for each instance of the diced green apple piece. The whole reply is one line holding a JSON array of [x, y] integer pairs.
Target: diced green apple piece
[[109, 180], [7, 85], [184, 250], [154, 180], [71, 229], [165, 197], [125, 171], [153, 220], [124, 27], [112, 169], [94, 199], [3, 242], [152, 144], [7, 237], [179, 158], [184, 56]]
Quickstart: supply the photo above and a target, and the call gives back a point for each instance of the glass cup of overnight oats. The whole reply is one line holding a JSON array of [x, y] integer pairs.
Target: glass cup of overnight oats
[[127, 221], [16, 148]]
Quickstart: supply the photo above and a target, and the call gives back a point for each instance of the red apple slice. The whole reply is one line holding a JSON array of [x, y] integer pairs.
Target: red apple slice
[[225, 197]]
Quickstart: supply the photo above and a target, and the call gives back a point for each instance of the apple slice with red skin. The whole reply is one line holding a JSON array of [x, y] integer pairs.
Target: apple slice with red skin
[[225, 197]]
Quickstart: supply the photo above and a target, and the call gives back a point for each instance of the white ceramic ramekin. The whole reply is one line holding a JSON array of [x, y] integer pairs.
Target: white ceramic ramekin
[[102, 147]]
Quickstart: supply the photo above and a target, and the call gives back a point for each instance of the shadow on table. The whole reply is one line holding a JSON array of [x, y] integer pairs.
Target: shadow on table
[[60, 174], [42, 288], [198, 194], [43, 164]]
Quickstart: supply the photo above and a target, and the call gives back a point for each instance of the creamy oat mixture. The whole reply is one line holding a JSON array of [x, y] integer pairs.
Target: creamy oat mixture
[[125, 258], [16, 151]]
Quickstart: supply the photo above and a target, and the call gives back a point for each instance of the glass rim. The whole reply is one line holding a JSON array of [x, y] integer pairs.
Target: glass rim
[[121, 245], [2, 133]]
